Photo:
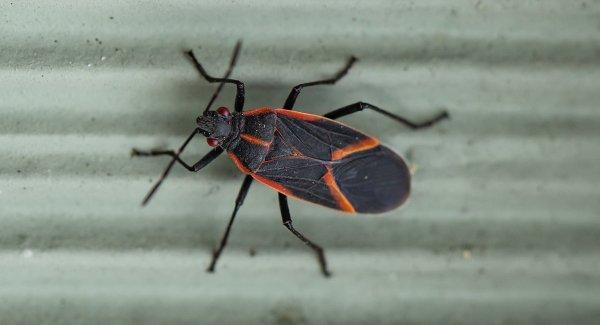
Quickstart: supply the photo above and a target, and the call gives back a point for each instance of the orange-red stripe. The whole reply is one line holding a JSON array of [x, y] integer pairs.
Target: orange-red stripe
[[254, 140], [238, 163], [365, 144], [298, 115], [276, 186], [258, 111], [341, 199]]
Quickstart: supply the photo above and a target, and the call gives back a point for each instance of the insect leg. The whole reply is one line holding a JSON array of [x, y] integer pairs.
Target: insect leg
[[239, 96], [209, 157], [194, 168], [175, 154], [232, 62], [359, 106], [291, 99], [238, 203], [287, 222]]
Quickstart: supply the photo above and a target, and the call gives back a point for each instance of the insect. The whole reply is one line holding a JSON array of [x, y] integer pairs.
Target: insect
[[305, 156]]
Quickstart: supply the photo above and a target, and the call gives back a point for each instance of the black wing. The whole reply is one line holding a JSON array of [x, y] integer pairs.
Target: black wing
[[330, 164], [374, 181]]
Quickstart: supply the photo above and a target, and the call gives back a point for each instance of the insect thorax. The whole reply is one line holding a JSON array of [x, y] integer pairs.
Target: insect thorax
[[250, 138]]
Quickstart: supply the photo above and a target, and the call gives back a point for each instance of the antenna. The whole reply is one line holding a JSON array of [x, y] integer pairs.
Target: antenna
[[165, 173], [234, 57]]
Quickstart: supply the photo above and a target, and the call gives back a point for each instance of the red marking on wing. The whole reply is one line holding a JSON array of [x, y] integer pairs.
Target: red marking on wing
[[258, 111], [238, 163], [274, 185], [254, 140], [298, 115], [343, 202], [365, 144]]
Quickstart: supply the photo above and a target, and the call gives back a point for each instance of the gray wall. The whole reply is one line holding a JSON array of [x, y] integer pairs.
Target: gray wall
[[502, 227]]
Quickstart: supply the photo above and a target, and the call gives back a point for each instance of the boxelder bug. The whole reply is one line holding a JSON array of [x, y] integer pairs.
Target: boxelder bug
[[300, 155]]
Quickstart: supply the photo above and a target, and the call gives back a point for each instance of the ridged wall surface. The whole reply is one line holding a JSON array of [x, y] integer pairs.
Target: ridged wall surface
[[503, 225]]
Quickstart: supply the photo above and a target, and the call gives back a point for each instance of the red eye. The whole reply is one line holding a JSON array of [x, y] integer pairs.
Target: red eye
[[223, 111], [212, 142]]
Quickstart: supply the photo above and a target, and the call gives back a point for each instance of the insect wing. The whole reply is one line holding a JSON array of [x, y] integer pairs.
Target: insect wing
[[318, 137], [298, 177], [330, 164], [374, 181]]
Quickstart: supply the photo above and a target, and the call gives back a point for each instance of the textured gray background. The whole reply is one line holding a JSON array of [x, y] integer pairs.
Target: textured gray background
[[503, 225]]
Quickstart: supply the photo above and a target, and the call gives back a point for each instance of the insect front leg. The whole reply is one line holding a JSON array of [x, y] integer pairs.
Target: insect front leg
[[209, 157], [175, 154], [240, 92], [291, 99], [359, 106], [238, 203], [287, 222]]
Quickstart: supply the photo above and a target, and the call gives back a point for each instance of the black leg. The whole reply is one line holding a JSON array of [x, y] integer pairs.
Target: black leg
[[238, 203], [287, 222], [239, 96], [194, 168], [291, 100], [209, 157], [197, 166], [357, 107], [232, 62]]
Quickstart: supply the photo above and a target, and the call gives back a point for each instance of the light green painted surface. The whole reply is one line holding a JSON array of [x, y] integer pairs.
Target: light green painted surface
[[503, 225]]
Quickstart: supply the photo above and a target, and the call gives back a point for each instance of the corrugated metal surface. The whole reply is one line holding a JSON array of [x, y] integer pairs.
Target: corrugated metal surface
[[503, 225]]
